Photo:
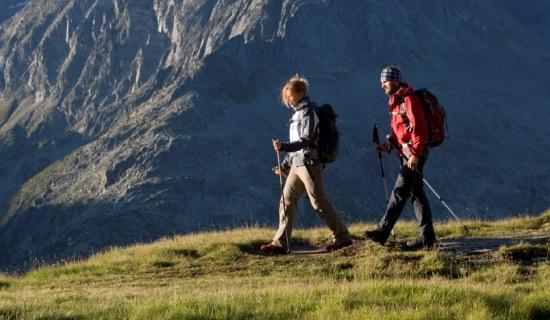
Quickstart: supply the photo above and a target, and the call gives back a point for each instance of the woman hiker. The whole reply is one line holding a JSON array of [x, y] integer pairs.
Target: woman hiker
[[306, 171]]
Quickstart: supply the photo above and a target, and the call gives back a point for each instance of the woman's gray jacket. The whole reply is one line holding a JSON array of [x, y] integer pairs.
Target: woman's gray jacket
[[304, 136]]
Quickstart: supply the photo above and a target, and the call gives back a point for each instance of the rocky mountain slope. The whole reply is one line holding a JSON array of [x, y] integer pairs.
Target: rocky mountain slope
[[124, 121], [10, 7]]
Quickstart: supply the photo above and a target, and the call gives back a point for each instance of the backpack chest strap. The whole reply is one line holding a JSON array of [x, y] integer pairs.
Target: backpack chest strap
[[402, 110]]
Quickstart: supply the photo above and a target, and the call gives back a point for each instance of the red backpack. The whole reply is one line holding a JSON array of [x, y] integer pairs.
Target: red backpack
[[436, 118]]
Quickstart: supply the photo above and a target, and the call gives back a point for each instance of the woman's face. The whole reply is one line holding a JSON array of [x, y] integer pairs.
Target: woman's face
[[292, 98]]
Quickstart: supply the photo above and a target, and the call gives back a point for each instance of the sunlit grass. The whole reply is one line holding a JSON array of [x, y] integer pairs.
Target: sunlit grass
[[221, 275]]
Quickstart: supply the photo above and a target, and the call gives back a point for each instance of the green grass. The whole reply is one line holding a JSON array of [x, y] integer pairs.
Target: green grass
[[222, 276]]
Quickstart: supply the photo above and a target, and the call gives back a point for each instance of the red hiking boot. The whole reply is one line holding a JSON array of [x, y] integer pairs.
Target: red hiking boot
[[337, 245], [272, 249]]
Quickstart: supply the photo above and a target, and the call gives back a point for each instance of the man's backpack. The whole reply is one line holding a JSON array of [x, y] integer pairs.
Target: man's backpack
[[329, 135], [436, 118]]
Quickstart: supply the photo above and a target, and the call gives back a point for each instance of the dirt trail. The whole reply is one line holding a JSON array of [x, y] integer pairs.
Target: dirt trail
[[466, 246]]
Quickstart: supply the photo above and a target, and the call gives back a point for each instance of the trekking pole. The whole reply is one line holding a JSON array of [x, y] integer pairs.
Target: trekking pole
[[376, 141], [431, 188], [283, 198]]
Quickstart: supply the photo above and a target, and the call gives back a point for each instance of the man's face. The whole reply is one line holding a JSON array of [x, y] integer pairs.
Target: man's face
[[390, 87]]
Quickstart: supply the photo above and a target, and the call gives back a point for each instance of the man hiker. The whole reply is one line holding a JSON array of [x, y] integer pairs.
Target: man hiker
[[410, 134], [306, 171]]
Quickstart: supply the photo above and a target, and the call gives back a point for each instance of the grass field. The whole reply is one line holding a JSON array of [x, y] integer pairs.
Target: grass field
[[222, 276]]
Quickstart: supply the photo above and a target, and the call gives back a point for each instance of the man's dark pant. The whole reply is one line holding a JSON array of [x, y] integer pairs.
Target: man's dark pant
[[409, 185]]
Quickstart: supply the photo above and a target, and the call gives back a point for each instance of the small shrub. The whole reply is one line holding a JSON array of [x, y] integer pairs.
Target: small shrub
[[163, 264], [524, 251], [187, 253]]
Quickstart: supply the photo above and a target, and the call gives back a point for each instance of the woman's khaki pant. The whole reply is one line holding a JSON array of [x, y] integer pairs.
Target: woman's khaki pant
[[299, 180]]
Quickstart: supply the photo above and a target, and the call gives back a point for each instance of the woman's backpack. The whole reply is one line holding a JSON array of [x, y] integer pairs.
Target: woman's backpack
[[329, 135]]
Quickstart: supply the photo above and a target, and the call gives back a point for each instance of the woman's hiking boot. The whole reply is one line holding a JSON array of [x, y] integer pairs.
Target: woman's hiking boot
[[271, 248], [337, 245]]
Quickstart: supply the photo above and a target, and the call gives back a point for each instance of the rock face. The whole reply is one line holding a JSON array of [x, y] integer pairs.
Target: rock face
[[124, 121], [10, 7]]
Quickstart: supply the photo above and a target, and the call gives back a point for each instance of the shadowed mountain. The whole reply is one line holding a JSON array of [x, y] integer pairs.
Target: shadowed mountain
[[129, 120], [10, 7]]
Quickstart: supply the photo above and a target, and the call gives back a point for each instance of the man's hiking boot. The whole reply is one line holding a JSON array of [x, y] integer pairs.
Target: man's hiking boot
[[419, 244], [337, 245], [377, 236], [271, 248]]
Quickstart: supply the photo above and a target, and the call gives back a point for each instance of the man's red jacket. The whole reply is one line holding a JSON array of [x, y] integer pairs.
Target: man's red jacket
[[416, 135]]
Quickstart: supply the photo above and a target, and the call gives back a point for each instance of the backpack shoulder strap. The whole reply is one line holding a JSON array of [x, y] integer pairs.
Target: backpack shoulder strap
[[403, 109], [403, 113]]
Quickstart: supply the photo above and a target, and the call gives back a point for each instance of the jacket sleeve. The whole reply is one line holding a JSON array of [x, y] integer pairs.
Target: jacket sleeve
[[418, 124], [307, 133]]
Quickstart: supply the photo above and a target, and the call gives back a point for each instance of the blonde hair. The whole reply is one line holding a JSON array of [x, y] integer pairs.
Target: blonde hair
[[297, 87]]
